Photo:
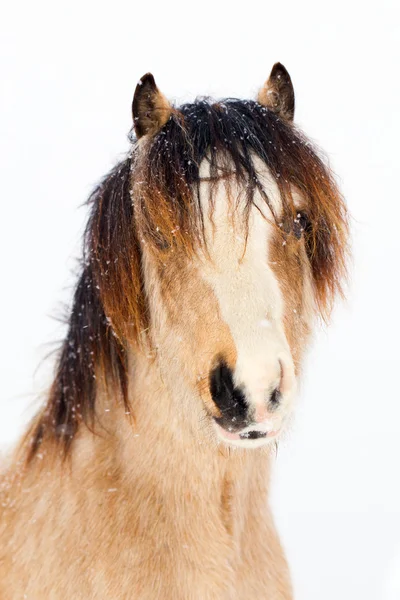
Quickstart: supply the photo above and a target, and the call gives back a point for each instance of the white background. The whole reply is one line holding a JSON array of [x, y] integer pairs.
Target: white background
[[68, 72]]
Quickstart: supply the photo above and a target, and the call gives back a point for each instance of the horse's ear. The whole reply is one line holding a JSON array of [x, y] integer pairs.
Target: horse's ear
[[278, 93], [150, 108]]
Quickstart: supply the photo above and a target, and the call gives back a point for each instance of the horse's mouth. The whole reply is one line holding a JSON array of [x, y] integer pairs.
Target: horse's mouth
[[252, 437]]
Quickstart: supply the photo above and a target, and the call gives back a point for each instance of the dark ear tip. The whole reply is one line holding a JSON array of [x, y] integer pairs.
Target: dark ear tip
[[279, 69], [147, 80]]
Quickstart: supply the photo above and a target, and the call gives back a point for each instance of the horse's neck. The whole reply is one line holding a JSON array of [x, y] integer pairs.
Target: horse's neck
[[160, 451]]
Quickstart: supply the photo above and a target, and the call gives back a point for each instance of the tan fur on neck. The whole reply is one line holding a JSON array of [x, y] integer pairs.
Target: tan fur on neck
[[125, 517]]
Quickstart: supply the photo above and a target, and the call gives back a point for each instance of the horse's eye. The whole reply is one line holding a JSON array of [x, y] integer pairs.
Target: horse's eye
[[301, 224]]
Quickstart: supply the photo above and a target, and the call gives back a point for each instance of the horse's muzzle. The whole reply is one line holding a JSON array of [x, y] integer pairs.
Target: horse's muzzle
[[241, 423]]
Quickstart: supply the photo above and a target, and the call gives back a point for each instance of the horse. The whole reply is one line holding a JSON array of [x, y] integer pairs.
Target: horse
[[211, 252]]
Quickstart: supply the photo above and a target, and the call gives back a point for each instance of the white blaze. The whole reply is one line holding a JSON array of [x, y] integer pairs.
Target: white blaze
[[247, 290]]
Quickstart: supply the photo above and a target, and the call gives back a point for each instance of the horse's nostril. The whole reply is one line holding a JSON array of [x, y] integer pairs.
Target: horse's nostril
[[221, 380], [275, 398], [229, 399]]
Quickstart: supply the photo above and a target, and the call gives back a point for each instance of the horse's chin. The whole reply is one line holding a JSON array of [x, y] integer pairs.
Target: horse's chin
[[250, 437]]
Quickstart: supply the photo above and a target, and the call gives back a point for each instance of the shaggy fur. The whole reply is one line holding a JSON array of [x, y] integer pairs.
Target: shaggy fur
[[114, 492]]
